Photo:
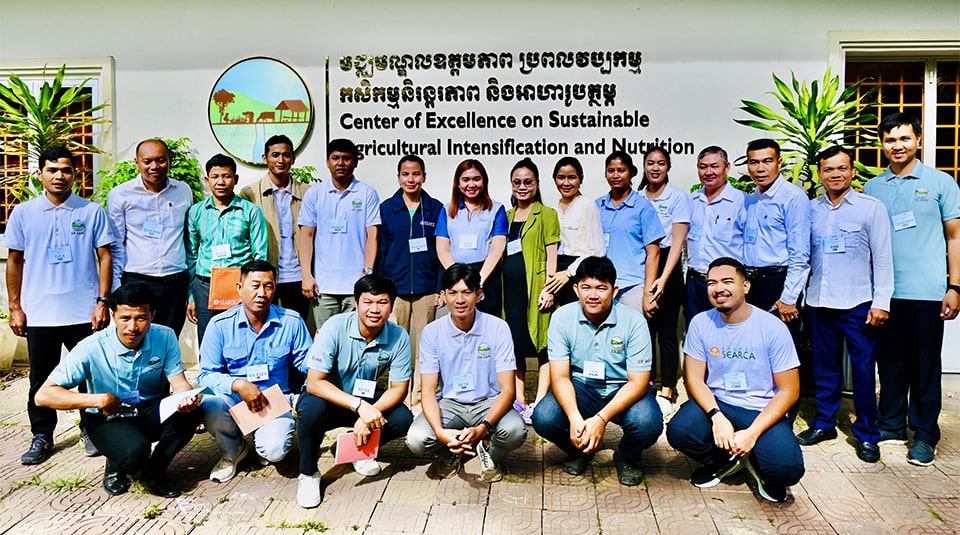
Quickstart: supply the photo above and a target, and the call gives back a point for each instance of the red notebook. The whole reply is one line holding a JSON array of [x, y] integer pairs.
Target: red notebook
[[347, 450]]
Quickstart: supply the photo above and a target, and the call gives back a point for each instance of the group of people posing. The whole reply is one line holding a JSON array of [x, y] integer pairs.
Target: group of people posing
[[592, 290]]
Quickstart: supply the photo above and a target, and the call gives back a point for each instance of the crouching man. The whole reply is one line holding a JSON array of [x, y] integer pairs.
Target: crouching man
[[742, 378], [471, 354], [600, 361], [126, 370]]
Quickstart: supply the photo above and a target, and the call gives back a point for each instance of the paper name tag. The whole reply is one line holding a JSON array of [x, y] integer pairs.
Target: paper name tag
[[468, 241], [464, 382], [152, 230], [364, 388], [418, 245], [258, 372], [130, 398], [59, 254], [338, 226], [735, 381], [513, 247], [221, 251], [904, 220], [834, 245], [593, 369], [695, 234]]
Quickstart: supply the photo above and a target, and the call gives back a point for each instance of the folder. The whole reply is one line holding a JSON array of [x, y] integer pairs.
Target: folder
[[248, 421], [348, 452]]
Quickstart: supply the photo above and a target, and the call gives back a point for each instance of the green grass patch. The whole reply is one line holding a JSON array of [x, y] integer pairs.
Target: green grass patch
[[76, 482], [306, 525], [151, 512]]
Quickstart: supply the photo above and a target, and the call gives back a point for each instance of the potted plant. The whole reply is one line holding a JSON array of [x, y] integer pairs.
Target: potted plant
[[812, 117]]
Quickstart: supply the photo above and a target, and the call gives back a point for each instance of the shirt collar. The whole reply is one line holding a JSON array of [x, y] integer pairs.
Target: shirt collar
[[918, 171], [351, 188], [234, 202], [121, 350], [242, 321], [171, 184], [774, 188], [629, 202], [71, 203], [455, 331], [610, 320]]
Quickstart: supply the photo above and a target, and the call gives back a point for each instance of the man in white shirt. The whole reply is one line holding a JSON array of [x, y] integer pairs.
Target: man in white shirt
[[848, 297], [147, 215]]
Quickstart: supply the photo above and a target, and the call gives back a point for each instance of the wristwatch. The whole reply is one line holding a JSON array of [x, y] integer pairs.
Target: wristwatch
[[954, 287], [712, 412], [101, 299], [355, 406], [367, 271]]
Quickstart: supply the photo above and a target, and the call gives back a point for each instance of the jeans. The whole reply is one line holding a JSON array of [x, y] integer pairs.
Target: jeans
[[508, 434], [272, 441], [641, 423]]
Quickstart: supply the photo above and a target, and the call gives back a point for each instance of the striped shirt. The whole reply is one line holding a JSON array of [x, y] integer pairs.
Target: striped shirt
[[210, 231]]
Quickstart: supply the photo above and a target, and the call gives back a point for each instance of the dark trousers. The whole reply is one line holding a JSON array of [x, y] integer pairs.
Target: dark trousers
[[316, 416], [201, 296], [641, 423], [492, 302], [908, 362], [44, 346], [776, 455], [765, 291], [829, 328], [663, 326], [290, 295], [125, 442], [695, 298], [171, 295]]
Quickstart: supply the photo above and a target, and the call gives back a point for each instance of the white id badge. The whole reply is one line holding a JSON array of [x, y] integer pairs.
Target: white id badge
[[338, 226], [364, 388], [513, 247], [834, 245], [606, 239], [130, 398], [750, 236], [258, 372], [695, 234], [464, 382], [594, 369], [59, 254], [735, 381], [904, 220], [152, 229], [221, 251], [418, 245], [468, 241]]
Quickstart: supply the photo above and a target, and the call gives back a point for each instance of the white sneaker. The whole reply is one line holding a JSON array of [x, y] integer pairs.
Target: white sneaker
[[366, 467], [667, 408], [489, 471], [226, 468], [308, 491]]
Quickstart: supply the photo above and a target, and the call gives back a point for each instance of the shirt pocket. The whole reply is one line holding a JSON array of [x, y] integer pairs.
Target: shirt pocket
[[235, 359], [853, 235]]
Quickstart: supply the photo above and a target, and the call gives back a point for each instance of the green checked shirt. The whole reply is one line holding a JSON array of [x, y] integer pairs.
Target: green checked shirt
[[224, 238]]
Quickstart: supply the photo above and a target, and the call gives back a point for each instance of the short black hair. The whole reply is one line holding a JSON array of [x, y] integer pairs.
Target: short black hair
[[763, 143], [132, 294], [713, 149], [375, 284], [597, 267], [221, 160], [898, 119], [732, 262], [343, 145], [166, 149], [278, 139], [461, 272], [832, 151], [53, 154], [257, 266], [412, 158], [623, 157]]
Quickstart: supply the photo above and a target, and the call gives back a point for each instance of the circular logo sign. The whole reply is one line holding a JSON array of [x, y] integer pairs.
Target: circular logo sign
[[255, 99]]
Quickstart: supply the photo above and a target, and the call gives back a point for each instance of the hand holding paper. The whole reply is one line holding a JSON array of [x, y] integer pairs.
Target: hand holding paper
[[248, 422], [348, 451], [172, 403]]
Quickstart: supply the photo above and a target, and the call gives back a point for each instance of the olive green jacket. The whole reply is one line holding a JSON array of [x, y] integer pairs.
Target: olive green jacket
[[542, 228]]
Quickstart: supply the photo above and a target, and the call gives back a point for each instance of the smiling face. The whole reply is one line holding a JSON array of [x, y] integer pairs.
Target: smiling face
[[471, 184], [764, 167], [132, 323], [596, 298], [411, 178], [153, 162], [836, 174], [57, 177], [618, 175], [279, 159], [900, 145], [462, 302], [221, 181], [726, 289], [523, 183], [568, 182], [256, 292], [712, 170], [373, 310], [655, 166]]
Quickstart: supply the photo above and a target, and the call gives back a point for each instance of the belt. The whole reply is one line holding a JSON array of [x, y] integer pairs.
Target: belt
[[201, 278], [758, 272], [694, 274], [166, 279]]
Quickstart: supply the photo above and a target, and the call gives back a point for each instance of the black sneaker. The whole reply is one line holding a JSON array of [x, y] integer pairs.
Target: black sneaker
[[40, 450], [710, 475], [628, 474], [893, 437], [576, 466], [772, 493]]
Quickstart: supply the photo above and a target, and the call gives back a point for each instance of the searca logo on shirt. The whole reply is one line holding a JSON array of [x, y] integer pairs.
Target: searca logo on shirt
[[733, 353], [77, 228], [483, 351]]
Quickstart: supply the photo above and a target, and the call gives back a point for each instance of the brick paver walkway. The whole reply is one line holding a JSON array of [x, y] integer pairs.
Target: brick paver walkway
[[838, 494]]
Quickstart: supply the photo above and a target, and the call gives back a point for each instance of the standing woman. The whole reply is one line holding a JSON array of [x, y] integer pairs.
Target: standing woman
[[531, 258], [581, 234], [673, 208], [407, 254], [632, 234], [472, 229]]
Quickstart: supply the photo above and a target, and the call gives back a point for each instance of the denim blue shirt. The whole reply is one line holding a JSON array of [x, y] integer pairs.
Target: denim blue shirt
[[778, 234], [919, 260], [231, 349], [627, 229]]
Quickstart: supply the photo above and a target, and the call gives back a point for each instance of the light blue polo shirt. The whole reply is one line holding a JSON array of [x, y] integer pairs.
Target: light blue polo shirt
[[61, 280], [344, 355], [627, 229], [672, 206], [919, 247], [107, 366], [741, 357], [621, 343], [341, 220], [470, 234], [468, 362], [232, 350]]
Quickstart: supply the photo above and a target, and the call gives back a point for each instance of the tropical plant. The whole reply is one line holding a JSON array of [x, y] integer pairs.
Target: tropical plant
[[31, 124], [815, 116], [183, 167], [305, 174]]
